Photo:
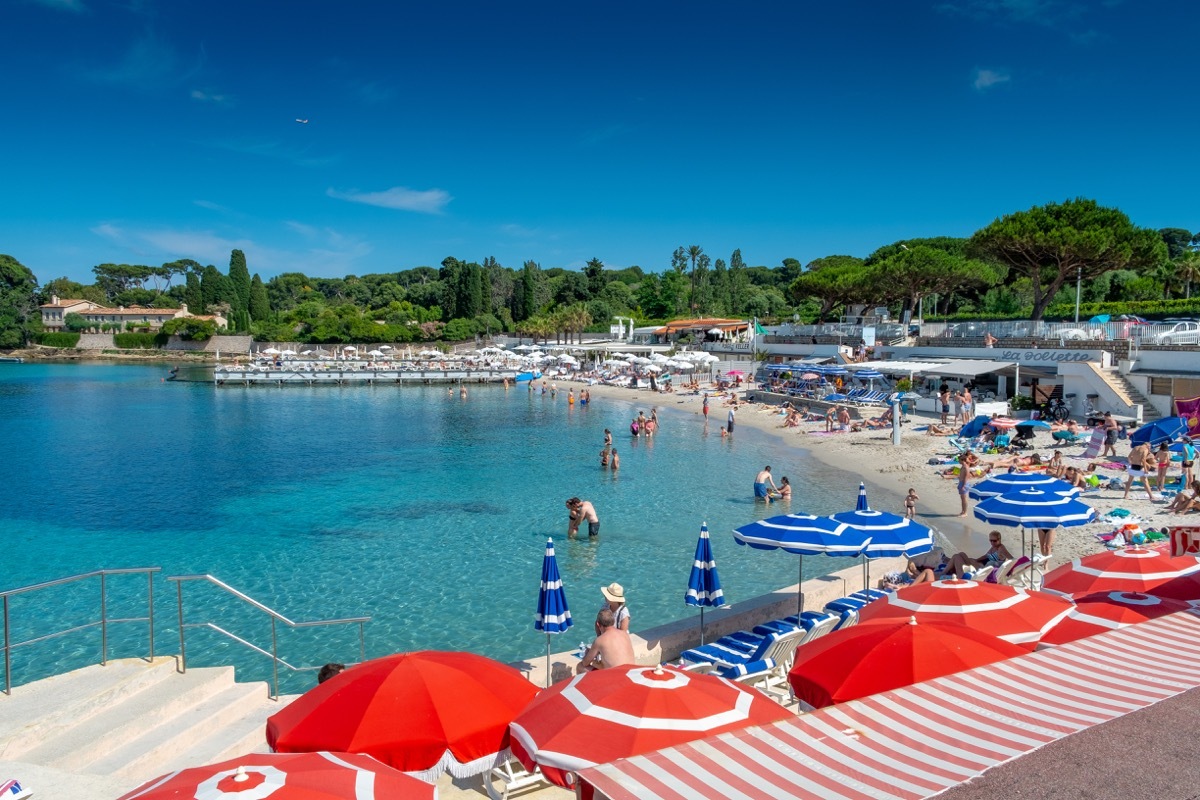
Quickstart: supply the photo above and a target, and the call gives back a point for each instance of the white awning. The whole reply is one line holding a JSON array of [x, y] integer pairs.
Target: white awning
[[919, 741], [969, 368], [898, 367]]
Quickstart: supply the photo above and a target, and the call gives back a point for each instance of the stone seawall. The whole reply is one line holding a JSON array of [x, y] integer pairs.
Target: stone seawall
[[95, 341], [217, 344]]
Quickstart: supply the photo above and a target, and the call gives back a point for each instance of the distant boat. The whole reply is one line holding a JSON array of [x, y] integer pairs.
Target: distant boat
[[527, 376], [11, 360]]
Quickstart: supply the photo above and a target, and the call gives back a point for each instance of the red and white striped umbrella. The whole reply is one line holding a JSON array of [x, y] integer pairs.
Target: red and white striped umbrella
[[424, 713], [1016, 615], [1003, 423], [1109, 611], [1134, 569], [614, 713], [287, 776]]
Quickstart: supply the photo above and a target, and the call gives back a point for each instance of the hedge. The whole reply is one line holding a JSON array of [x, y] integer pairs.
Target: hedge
[[58, 339], [139, 341]]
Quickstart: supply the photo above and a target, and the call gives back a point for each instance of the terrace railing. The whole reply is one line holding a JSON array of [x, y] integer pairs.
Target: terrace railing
[[102, 622], [275, 618]]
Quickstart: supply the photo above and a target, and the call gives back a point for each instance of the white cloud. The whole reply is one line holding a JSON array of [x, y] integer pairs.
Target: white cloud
[[211, 97], [401, 198], [149, 63], [987, 78], [329, 253]]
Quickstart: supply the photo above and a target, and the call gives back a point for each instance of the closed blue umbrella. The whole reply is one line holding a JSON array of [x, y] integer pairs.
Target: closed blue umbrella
[[553, 616], [704, 585], [1016, 481], [802, 535], [861, 505], [1161, 430]]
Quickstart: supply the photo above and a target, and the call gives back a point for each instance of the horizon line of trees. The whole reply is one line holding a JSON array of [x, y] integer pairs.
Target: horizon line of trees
[[1028, 260]]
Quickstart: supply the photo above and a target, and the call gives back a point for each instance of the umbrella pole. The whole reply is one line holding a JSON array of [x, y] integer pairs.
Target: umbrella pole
[[547, 660], [866, 574], [800, 591], [701, 625]]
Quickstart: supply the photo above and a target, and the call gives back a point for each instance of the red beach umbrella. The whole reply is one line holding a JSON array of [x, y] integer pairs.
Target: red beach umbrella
[[868, 659], [423, 713], [287, 776], [1134, 569], [625, 711], [1015, 615], [1108, 611], [1185, 588]]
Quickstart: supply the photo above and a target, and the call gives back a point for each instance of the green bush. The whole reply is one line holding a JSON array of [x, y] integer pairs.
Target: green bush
[[137, 341], [199, 330], [58, 339]]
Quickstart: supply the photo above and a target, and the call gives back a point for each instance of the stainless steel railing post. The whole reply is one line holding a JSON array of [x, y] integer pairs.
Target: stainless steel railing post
[[274, 662], [362, 644], [182, 645], [7, 658], [150, 610], [103, 624]]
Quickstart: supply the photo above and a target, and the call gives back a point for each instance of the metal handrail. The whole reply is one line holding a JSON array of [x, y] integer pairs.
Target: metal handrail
[[103, 622], [275, 616]]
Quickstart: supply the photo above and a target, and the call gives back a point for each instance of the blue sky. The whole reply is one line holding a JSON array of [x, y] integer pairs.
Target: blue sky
[[142, 131]]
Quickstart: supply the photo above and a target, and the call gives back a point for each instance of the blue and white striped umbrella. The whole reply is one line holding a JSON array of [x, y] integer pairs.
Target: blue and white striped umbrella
[[1033, 508], [868, 374], [802, 535], [1007, 482], [704, 585], [890, 534], [836, 371], [553, 616]]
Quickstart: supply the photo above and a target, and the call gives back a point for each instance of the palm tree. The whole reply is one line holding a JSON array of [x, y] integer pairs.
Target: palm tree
[[693, 253], [1187, 269]]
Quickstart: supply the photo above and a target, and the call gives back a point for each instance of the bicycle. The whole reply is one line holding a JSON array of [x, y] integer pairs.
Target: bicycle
[[1057, 410]]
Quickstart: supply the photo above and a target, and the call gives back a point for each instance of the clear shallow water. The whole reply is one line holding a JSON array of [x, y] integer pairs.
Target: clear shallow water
[[423, 511]]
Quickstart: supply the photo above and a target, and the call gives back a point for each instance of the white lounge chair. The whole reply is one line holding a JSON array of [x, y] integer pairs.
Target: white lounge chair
[[512, 777]]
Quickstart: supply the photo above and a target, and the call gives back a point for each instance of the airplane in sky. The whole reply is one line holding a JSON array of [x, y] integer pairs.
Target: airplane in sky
[[302, 121]]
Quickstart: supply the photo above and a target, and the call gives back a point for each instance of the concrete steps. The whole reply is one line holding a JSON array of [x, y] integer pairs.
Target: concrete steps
[[1149, 412], [133, 720]]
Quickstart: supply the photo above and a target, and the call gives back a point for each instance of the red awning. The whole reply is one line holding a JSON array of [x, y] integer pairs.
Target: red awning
[[918, 741]]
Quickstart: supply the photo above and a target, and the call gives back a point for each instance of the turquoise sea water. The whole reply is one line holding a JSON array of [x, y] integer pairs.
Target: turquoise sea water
[[424, 511]]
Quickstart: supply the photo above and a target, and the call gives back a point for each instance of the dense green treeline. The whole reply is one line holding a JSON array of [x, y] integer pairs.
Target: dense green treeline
[[1024, 264]]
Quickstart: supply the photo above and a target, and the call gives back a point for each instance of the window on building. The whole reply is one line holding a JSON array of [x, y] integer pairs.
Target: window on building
[[1160, 386]]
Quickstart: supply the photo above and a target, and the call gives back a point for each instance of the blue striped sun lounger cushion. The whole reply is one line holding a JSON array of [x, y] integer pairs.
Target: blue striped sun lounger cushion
[[806, 621]]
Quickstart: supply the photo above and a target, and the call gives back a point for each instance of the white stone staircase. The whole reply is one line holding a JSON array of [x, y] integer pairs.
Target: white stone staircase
[[133, 720]]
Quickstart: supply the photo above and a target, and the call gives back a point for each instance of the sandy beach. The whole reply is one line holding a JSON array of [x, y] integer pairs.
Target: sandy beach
[[890, 471]]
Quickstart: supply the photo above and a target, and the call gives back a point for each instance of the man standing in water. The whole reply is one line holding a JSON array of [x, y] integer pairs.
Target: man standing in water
[[763, 482], [579, 510], [732, 414]]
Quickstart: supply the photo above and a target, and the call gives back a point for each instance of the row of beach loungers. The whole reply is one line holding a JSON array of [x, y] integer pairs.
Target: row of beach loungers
[[762, 656]]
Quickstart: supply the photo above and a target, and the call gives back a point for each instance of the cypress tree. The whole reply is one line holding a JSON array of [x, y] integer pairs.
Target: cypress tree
[[260, 304], [239, 276], [192, 294]]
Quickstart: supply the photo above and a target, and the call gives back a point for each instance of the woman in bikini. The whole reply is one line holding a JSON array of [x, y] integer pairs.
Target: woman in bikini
[[996, 555]]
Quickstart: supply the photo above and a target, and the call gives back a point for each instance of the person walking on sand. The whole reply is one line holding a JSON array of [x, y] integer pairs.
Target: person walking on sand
[[1110, 436], [944, 402], [1163, 458], [965, 462], [579, 510], [830, 419], [763, 483], [910, 503], [1140, 460]]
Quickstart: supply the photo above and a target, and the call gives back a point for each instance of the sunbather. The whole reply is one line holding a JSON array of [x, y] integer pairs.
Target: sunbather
[[912, 574], [942, 430], [996, 555], [1032, 460], [1186, 500]]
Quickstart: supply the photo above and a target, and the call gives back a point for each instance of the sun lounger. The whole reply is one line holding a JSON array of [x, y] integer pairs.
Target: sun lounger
[[733, 659], [512, 777], [846, 609]]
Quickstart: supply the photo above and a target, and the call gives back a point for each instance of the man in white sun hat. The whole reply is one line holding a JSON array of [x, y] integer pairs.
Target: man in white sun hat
[[614, 593]]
